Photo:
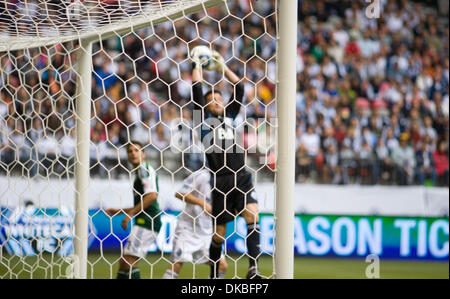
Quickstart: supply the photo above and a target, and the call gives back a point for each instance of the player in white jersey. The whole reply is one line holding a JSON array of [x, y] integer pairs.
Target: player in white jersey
[[194, 229]]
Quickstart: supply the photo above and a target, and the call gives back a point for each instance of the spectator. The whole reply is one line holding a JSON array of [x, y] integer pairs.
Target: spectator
[[48, 150], [311, 141], [384, 166], [97, 153], [391, 140], [347, 162], [352, 48], [160, 138], [68, 145], [7, 149], [304, 163], [428, 129], [367, 170], [442, 164], [404, 160], [331, 172], [425, 168]]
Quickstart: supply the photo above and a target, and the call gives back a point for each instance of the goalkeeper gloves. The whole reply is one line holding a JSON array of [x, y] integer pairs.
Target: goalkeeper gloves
[[219, 64], [196, 64]]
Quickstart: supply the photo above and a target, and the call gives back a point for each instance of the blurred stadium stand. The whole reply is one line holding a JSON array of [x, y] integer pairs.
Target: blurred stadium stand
[[372, 101]]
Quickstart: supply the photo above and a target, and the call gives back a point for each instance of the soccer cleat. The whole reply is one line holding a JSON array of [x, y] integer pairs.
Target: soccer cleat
[[253, 273]]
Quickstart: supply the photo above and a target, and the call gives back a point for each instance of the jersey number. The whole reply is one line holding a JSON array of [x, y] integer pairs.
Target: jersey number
[[226, 134]]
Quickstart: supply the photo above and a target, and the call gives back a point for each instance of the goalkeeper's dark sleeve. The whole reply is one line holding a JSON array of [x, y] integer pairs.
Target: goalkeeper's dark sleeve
[[234, 106], [197, 96]]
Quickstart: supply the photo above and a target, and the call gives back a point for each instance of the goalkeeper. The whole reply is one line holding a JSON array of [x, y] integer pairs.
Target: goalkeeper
[[232, 185], [145, 212]]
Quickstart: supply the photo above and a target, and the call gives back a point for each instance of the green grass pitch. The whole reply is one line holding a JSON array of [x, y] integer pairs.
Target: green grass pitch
[[105, 266]]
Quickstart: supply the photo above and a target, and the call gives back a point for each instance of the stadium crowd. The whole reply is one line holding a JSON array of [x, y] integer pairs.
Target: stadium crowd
[[372, 100]]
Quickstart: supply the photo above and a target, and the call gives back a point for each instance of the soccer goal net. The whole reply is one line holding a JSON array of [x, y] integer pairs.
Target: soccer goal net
[[131, 131]]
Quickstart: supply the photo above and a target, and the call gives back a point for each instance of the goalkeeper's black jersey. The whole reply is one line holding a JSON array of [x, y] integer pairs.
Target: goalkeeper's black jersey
[[218, 134]]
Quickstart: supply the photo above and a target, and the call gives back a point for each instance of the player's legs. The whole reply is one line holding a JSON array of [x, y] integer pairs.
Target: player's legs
[[240, 200], [222, 213], [139, 241], [181, 252], [128, 267], [251, 216], [247, 207], [251, 213], [215, 249], [223, 266], [173, 271], [177, 267], [188, 247]]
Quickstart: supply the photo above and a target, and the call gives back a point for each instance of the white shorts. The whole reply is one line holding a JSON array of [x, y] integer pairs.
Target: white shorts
[[190, 247], [139, 241]]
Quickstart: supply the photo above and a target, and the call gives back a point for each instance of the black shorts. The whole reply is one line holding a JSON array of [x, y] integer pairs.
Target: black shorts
[[230, 195]]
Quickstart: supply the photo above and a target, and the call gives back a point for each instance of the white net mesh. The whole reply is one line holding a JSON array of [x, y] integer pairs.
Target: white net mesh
[[24, 24], [141, 91]]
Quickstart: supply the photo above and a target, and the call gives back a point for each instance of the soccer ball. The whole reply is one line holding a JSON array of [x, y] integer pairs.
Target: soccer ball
[[202, 55]]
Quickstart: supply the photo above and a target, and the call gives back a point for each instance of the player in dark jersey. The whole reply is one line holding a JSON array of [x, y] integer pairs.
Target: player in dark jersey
[[145, 212], [232, 185]]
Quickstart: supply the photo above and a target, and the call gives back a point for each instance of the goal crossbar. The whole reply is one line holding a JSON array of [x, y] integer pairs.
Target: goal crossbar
[[130, 24]]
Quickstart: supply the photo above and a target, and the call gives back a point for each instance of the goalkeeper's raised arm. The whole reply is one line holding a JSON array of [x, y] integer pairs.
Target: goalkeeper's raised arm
[[212, 101]]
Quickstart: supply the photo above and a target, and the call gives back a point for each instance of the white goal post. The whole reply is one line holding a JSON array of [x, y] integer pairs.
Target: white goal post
[[148, 16], [286, 108]]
